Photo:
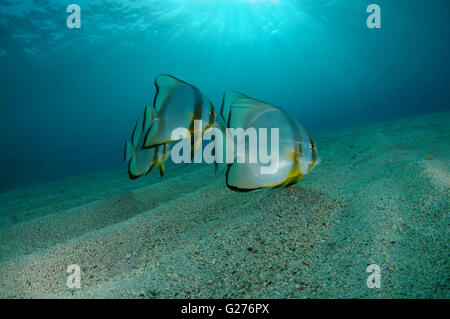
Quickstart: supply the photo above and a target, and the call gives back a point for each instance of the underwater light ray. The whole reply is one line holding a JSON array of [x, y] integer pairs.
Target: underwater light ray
[[227, 22]]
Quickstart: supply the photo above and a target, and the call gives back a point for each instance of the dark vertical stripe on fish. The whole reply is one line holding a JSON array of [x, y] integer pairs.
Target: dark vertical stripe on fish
[[313, 154]]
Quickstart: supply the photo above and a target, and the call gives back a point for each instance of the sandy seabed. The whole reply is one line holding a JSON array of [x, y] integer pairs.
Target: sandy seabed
[[379, 196]]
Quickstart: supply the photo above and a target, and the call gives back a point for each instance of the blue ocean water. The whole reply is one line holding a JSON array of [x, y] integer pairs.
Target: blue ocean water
[[70, 97]]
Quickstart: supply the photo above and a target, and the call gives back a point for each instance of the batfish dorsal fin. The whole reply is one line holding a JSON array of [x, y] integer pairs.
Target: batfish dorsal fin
[[228, 99], [244, 110], [165, 85], [137, 131]]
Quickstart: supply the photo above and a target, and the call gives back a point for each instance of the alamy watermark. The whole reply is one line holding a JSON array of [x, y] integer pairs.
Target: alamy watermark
[[242, 146], [374, 20], [374, 279], [74, 19], [74, 278]]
